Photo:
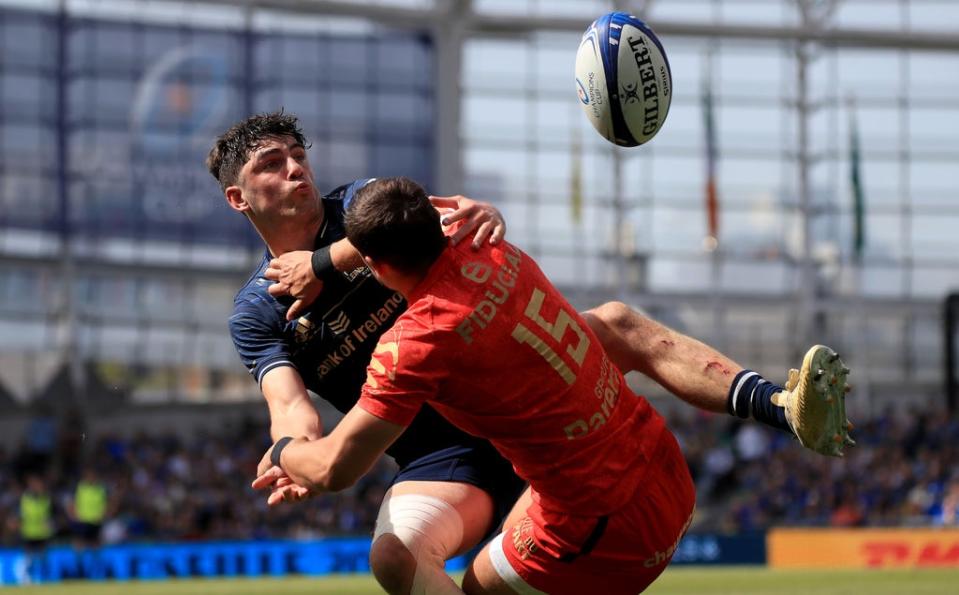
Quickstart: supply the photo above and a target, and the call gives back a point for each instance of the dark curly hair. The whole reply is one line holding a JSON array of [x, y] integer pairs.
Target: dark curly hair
[[233, 148]]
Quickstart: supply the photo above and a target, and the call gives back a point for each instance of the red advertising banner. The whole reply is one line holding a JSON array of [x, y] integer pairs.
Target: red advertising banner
[[863, 548]]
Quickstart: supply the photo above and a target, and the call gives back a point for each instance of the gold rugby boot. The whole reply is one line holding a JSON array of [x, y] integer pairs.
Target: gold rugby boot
[[815, 402]]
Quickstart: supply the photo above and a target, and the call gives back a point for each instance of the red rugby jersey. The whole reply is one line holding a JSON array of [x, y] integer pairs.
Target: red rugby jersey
[[493, 346]]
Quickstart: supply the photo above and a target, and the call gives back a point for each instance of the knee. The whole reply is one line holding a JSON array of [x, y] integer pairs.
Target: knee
[[619, 325], [392, 564], [628, 336], [617, 316]]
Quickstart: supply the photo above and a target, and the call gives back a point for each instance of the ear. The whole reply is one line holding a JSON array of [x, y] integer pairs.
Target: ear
[[234, 197], [383, 272], [372, 264]]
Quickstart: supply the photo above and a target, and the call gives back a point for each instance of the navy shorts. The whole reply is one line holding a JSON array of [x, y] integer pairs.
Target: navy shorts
[[477, 464]]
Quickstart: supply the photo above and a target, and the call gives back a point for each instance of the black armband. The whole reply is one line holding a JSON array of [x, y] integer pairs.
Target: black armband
[[322, 263], [278, 448]]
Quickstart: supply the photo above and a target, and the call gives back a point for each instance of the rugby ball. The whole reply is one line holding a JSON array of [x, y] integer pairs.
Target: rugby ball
[[623, 79]]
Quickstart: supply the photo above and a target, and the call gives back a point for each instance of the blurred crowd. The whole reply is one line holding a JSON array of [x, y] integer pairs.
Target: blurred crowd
[[903, 471], [160, 487]]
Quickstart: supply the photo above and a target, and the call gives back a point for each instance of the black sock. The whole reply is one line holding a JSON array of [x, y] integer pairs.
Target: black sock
[[751, 395]]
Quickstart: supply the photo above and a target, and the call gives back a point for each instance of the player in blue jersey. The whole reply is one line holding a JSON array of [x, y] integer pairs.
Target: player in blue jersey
[[451, 489]]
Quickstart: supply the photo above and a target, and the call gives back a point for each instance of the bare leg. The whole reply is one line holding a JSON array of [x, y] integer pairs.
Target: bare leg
[[482, 578], [421, 525], [689, 369], [811, 406]]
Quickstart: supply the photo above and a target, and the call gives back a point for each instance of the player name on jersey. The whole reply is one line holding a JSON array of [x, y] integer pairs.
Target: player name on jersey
[[499, 292], [607, 394]]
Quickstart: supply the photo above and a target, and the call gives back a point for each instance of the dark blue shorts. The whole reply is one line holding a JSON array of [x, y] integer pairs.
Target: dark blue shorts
[[477, 464]]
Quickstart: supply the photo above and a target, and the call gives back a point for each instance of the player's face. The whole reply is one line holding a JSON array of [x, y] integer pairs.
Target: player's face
[[277, 182]]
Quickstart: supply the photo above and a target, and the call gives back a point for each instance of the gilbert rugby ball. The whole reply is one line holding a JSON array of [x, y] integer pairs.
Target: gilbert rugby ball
[[623, 79]]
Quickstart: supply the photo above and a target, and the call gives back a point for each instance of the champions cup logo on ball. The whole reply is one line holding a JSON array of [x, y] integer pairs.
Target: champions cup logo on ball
[[623, 79]]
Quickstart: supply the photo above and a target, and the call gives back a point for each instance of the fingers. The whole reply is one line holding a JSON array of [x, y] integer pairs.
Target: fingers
[[281, 495], [278, 289], [464, 213], [492, 229], [295, 310], [273, 273], [482, 233], [267, 479], [445, 202], [499, 232], [283, 487], [482, 218], [289, 493], [263, 467], [464, 230]]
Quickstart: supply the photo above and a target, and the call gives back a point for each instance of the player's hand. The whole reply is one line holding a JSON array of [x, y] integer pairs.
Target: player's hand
[[282, 488], [293, 276], [265, 463], [482, 217]]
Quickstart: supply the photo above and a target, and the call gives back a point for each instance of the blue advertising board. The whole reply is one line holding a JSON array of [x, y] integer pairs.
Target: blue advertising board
[[747, 548], [182, 560], [280, 558]]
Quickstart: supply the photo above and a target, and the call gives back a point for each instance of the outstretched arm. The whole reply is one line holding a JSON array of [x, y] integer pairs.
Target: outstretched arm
[[291, 411], [334, 462], [291, 414], [300, 273]]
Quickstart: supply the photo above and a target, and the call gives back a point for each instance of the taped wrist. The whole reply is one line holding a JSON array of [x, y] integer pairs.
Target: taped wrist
[[322, 263], [278, 448]]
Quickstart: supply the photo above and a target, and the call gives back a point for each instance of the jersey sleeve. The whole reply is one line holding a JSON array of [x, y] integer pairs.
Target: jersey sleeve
[[256, 330], [346, 192], [406, 371]]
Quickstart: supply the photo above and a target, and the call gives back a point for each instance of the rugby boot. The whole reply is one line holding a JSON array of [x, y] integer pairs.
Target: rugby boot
[[815, 402]]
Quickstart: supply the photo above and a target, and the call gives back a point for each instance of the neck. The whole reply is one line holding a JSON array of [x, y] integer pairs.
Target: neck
[[399, 281], [405, 284], [291, 235]]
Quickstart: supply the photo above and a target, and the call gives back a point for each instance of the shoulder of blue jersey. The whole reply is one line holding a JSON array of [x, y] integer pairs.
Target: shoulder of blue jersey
[[255, 287], [346, 192]]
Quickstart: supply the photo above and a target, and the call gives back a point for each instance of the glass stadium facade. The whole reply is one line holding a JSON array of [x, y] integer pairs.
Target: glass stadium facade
[[119, 259]]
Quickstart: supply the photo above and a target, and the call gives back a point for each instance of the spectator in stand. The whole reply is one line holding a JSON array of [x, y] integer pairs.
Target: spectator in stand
[[147, 481], [88, 510], [949, 512], [37, 526]]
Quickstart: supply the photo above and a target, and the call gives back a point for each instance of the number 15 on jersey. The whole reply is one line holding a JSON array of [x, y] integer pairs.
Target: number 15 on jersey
[[576, 342]]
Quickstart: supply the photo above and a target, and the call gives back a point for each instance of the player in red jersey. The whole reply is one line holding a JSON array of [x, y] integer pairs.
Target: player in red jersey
[[494, 347]]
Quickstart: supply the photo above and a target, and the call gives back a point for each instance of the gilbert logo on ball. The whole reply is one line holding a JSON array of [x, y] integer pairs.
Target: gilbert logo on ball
[[623, 79]]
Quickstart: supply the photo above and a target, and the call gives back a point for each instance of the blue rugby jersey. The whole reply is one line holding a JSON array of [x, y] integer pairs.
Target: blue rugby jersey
[[331, 344]]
